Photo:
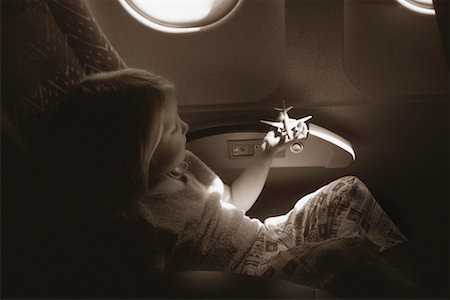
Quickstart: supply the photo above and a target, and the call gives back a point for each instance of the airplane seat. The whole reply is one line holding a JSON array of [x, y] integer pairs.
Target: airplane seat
[[47, 45]]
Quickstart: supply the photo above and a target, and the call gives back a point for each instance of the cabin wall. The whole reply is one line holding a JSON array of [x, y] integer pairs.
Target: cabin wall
[[308, 52], [242, 60]]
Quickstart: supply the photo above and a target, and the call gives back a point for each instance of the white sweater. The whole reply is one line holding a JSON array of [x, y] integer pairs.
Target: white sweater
[[211, 233]]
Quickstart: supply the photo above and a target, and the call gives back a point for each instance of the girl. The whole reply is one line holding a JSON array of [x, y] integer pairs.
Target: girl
[[125, 157]]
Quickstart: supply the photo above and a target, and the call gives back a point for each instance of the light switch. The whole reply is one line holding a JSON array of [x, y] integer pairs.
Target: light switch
[[243, 149], [246, 148]]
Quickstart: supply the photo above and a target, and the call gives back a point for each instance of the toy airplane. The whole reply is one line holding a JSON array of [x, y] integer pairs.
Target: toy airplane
[[286, 125]]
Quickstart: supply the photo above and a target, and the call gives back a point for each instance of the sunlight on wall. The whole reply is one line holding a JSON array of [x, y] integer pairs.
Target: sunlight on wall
[[420, 6], [332, 138]]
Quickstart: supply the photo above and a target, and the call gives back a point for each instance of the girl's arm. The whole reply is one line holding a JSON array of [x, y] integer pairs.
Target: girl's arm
[[248, 186]]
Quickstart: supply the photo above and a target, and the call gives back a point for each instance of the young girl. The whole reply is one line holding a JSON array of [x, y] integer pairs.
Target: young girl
[[124, 147]]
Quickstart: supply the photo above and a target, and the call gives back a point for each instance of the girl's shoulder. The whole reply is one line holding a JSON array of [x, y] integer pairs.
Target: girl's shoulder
[[199, 169]]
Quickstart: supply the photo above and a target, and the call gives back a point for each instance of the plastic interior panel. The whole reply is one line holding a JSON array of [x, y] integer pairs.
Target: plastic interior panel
[[216, 150], [213, 65]]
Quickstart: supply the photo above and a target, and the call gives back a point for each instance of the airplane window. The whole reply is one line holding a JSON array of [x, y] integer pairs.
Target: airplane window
[[420, 6], [179, 16]]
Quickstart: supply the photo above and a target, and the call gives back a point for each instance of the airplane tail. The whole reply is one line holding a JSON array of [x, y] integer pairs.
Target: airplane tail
[[284, 109]]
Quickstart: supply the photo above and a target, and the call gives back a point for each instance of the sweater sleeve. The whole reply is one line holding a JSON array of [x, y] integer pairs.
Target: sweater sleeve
[[199, 169], [207, 177]]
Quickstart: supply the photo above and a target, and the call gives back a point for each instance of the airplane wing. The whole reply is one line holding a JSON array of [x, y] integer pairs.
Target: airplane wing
[[294, 122], [278, 125], [304, 119]]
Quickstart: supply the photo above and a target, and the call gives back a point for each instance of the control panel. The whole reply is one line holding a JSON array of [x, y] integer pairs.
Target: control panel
[[243, 148], [234, 150], [246, 148]]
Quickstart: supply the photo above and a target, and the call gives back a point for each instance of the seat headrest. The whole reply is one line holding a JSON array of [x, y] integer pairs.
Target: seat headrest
[[47, 46]]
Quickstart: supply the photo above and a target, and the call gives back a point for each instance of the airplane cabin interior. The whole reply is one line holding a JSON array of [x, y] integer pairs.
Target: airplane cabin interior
[[372, 74]]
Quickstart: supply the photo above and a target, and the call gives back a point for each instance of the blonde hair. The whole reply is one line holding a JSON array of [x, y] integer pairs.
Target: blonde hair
[[112, 126]]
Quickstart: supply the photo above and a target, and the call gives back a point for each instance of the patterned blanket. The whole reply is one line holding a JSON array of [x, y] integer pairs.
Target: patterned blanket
[[326, 238]]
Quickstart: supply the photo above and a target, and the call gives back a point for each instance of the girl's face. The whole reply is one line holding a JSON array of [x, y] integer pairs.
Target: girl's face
[[171, 149]]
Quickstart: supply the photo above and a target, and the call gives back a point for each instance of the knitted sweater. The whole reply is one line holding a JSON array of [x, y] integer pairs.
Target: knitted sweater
[[211, 233]]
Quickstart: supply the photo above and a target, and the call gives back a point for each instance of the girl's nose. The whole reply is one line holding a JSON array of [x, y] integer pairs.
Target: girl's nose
[[185, 126]]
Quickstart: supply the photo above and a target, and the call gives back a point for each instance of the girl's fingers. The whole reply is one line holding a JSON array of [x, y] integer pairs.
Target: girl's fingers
[[276, 141], [269, 136], [302, 131], [271, 139]]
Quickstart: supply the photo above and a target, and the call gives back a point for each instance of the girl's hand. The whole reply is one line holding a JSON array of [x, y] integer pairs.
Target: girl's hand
[[301, 131], [274, 143]]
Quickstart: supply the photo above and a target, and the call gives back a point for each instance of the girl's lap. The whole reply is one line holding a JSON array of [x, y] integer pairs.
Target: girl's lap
[[342, 208], [335, 265], [329, 235]]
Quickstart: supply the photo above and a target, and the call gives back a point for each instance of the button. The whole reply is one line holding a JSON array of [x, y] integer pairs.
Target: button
[[296, 148]]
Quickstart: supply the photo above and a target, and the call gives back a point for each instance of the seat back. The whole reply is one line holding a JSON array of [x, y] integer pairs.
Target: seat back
[[47, 45]]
